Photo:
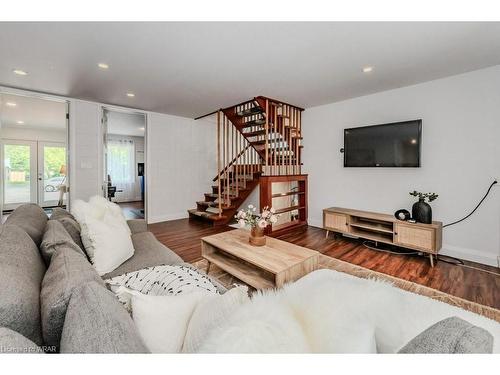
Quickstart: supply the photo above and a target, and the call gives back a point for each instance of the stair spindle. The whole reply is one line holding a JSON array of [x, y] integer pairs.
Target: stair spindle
[[275, 121], [284, 141], [295, 144], [224, 161], [218, 164], [227, 168], [289, 155], [290, 146], [267, 134]]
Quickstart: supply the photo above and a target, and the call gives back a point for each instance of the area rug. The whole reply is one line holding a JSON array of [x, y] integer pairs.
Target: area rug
[[338, 265]]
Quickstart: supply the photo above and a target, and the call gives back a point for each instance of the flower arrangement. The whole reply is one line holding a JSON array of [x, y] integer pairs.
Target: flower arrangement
[[251, 218], [423, 196]]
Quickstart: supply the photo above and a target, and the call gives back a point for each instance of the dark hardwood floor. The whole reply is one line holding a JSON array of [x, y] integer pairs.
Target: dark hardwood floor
[[183, 236], [131, 209]]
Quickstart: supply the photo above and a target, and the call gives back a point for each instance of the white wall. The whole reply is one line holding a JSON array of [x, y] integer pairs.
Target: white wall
[[460, 157], [180, 160], [181, 154], [85, 150]]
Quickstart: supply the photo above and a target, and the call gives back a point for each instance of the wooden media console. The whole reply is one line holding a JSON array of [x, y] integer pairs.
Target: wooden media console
[[384, 228]]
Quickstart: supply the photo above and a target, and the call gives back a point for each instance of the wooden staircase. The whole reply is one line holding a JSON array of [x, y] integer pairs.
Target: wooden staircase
[[259, 137]]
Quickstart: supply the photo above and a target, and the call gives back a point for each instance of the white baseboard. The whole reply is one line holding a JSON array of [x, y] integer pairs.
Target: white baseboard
[[315, 223], [472, 255], [159, 218]]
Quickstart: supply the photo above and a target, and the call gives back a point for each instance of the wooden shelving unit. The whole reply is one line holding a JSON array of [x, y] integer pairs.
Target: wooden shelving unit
[[385, 228], [279, 195], [288, 209], [286, 194]]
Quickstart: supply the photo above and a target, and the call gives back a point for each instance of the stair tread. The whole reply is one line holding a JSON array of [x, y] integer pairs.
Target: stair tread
[[212, 195], [250, 111], [215, 205], [263, 141], [259, 121], [255, 133], [207, 215], [251, 123]]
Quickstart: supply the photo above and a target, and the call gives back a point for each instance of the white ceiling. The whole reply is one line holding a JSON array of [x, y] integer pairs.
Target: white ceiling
[[34, 112], [189, 69], [125, 123]]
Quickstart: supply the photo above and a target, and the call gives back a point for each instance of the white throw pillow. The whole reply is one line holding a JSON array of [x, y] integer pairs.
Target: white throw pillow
[[111, 210], [210, 313], [105, 233], [162, 321]]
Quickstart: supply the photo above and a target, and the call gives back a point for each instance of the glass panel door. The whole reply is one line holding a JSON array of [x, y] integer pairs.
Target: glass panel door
[[19, 173], [51, 173]]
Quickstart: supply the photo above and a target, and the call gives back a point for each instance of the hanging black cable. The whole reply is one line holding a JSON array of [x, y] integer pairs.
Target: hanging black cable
[[474, 210]]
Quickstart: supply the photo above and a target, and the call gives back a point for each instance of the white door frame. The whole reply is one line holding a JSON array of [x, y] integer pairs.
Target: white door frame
[[49, 97], [104, 132], [40, 173], [33, 171]]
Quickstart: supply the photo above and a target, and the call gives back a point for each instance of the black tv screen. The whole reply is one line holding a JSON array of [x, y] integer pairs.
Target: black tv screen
[[387, 145]]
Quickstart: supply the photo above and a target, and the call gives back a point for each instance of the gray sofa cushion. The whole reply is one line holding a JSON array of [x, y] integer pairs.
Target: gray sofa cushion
[[74, 230], [70, 224], [68, 270], [54, 238], [148, 252], [58, 213], [137, 225], [451, 335], [21, 272], [13, 342], [97, 323], [31, 218]]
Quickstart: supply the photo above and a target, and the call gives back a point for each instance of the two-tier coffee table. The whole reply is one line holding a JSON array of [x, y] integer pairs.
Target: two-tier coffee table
[[261, 267]]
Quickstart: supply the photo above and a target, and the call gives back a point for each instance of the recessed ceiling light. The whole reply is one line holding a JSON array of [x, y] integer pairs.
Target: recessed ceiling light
[[413, 141], [130, 94], [103, 66], [20, 122], [368, 69], [11, 104], [20, 72], [141, 128]]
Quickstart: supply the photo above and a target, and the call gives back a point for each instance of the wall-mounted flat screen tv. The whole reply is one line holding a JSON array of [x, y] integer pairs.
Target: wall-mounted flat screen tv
[[387, 145]]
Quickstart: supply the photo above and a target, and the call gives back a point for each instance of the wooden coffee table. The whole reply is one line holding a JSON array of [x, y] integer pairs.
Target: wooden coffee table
[[261, 267]]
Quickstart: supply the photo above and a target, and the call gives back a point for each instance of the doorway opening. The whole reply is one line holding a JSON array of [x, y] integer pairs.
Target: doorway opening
[[33, 152], [124, 161]]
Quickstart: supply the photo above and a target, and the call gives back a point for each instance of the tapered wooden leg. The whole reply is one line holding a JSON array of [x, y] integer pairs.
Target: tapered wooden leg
[[327, 233], [431, 257], [208, 267]]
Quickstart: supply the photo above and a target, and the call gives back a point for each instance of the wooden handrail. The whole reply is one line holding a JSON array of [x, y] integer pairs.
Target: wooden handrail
[[208, 114], [222, 109], [232, 162], [279, 101]]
